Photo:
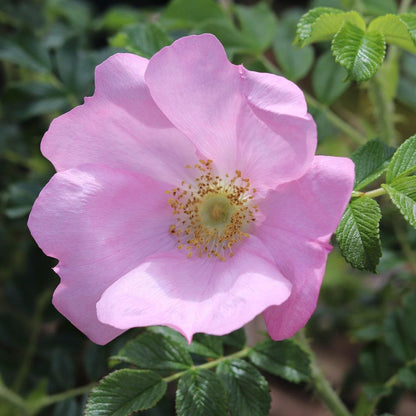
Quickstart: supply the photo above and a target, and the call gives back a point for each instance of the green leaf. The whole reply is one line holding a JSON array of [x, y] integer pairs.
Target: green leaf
[[397, 30], [201, 393], [257, 23], [153, 351], [323, 23], [360, 52], [295, 62], [282, 358], [25, 50], [306, 22], [402, 191], [329, 79], [206, 345], [144, 39], [403, 161], [124, 392], [235, 339], [202, 344], [371, 161], [358, 234], [248, 391]]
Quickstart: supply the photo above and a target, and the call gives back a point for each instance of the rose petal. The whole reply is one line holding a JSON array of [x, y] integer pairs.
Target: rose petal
[[299, 219], [120, 126], [268, 93], [274, 153], [197, 294], [197, 88], [256, 123], [96, 221]]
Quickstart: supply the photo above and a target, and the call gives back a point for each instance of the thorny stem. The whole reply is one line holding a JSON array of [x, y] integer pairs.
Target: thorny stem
[[319, 382], [337, 121]]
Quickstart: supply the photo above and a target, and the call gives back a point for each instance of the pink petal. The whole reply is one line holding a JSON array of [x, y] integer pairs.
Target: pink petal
[[277, 152], [196, 295], [120, 126], [97, 222], [300, 217], [197, 88], [256, 123], [272, 94]]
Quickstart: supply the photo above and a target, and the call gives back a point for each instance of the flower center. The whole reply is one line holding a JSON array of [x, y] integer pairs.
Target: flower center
[[212, 214]]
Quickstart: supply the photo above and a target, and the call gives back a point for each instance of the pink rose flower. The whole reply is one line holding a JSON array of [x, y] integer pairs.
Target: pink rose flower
[[188, 194]]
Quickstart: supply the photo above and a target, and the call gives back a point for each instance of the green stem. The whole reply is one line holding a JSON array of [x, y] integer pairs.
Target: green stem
[[55, 398], [405, 6], [211, 364], [370, 194], [35, 325], [11, 398], [337, 121], [320, 384]]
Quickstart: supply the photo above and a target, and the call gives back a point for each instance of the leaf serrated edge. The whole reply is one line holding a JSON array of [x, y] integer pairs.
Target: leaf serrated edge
[[402, 149], [377, 236], [124, 370]]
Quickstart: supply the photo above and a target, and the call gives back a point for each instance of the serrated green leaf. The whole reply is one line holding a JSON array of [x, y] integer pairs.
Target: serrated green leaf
[[295, 62], [258, 23], [306, 22], [403, 161], [397, 30], [206, 345], [402, 191], [371, 161], [360, 52], [144, 39], [282, 358], [152, 351], [248, 391], [358, 234], [124, 392], [329, 79], [202, 344], [235, 339], [326, 25], [25, 50], [201, 393]]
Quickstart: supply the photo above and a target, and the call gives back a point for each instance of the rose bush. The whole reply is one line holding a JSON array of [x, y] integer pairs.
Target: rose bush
[[188, 194]]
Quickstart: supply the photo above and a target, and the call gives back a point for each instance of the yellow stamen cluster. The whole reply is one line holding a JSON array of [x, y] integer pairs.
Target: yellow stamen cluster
[[213, 213]]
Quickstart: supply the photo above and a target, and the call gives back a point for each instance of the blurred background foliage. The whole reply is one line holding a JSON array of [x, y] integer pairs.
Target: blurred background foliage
[[48, 52]]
